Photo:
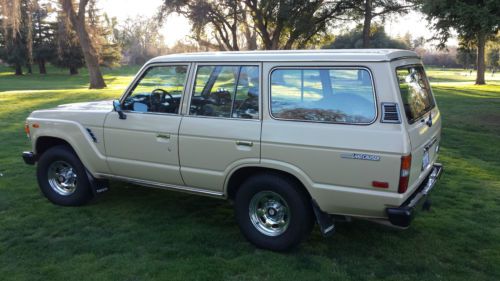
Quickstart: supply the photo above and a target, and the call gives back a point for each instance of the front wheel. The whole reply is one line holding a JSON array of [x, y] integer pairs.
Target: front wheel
[[273, 212], [62, 177]]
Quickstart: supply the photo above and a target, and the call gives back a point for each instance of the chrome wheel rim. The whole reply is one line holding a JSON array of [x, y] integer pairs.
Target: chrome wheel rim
[[62, 178], [269, 213]]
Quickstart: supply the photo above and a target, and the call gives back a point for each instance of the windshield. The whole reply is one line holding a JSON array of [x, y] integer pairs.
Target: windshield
[[415, 91]]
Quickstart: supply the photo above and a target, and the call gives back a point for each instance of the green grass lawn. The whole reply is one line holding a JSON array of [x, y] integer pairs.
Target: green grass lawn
[[136, 233]]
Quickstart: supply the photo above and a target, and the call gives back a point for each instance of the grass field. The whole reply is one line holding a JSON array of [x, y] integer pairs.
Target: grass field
[[135, 233]]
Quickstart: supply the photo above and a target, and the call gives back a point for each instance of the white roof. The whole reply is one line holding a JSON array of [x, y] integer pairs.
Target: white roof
[[292, 55]]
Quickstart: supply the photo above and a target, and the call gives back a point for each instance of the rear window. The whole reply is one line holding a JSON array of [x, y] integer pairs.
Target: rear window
[[333, 95], [415, 91]]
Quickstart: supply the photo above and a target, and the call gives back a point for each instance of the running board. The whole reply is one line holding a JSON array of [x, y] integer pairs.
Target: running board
[[165, 186]]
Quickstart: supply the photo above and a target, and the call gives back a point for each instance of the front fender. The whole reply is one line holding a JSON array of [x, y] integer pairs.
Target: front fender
[[77, 136]]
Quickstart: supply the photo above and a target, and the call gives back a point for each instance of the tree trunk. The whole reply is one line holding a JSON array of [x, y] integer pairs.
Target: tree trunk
[[73, 70], [89, 52], [30, 69], [41, 67], [90, 55], [481, 42], [367, 24], [19, 69]]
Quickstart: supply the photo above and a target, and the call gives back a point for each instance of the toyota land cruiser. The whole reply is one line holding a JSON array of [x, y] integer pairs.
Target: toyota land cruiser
[[291, 137]]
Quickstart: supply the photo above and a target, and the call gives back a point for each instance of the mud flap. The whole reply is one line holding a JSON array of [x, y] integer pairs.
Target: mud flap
[[324, 220], [98, 186]]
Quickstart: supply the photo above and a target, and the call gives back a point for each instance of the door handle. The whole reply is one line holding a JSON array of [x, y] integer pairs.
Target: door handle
[[245, 143], [163, 136]]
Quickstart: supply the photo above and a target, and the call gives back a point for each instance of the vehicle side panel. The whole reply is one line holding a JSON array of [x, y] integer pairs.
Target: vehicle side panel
[[339, 184]]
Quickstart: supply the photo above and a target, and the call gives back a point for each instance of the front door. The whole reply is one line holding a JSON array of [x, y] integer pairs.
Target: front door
[[145, 144], [222, 127]]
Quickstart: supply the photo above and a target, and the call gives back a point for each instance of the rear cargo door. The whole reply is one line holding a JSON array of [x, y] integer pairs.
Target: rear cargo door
[[423, 120]]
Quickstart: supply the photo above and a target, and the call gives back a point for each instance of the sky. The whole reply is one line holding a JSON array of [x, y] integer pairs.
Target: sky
[[177, 27]]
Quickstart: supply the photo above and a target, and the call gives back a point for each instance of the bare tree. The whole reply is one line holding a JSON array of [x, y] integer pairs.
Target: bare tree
[[222, 19], [77, 19], [140, 39], [278, 24], [292, 24]]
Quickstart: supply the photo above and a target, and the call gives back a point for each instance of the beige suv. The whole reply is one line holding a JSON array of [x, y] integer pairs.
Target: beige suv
[[292, 137]]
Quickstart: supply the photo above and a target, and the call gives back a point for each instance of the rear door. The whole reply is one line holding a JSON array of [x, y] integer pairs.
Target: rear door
[[222, 127], [423, 119]]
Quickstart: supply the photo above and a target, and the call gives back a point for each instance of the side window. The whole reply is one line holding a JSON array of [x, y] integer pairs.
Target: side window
[[226, 91], [415, 91], [335, 95], [159, 90]]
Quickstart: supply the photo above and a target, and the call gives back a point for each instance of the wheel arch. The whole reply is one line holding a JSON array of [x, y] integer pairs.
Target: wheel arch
[[240, 174], [44, 143], [91, 160]]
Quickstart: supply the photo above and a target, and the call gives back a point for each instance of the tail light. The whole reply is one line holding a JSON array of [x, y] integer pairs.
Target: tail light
[[404, 175], [27, 129]]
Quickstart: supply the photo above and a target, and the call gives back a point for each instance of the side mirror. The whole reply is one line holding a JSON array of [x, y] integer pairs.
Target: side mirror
[[118, 108]]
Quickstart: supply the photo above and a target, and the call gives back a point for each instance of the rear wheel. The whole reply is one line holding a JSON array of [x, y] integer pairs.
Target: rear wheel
[[273, 212], [62, 177]]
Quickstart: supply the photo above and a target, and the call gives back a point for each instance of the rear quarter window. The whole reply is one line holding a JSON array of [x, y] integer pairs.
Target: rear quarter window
[[415, 91], [332, 95]]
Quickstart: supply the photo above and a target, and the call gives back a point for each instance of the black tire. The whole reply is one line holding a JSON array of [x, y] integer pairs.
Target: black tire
[[57, 156], [300, 220]]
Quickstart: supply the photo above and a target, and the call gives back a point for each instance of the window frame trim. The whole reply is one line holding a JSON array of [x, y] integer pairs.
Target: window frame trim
[[129, 90], [192, 83], [434, 104], [308, 67]]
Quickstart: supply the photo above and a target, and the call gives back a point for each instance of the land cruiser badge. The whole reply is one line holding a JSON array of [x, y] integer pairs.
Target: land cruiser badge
[[359, 156]]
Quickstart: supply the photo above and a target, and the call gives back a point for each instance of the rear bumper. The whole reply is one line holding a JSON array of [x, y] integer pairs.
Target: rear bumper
[[403, 215], [29, 158]]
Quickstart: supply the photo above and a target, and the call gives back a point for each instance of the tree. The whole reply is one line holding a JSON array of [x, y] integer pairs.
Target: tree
[[226, 20], [475, 21], [274, 24], [466, 57], [77, 19], [493, 53], [371, 9], [493, 58], [378, 39], [44, 37], [15, 52], [17, 33], [140, 39], [69, 53], [100, 28], [292, 24]]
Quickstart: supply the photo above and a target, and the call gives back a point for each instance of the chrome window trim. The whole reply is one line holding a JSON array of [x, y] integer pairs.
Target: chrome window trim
[[221, 118], [138, 78], [375, 100], [235, 63], [396, 68]]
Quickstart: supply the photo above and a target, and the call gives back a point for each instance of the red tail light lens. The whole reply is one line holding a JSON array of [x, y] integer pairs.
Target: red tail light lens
[[404, 175], [27, 129]]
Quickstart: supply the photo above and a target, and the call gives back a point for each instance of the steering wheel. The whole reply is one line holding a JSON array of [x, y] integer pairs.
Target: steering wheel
[[163, 94], [158, 97]]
